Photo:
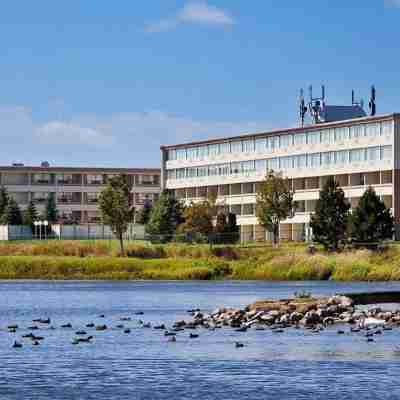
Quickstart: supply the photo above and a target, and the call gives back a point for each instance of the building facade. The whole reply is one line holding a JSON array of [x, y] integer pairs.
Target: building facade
[[358, 153], [76, 190]]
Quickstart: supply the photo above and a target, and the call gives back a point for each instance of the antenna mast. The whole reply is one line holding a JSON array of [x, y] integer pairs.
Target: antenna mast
[[303, 107], [372, 101]]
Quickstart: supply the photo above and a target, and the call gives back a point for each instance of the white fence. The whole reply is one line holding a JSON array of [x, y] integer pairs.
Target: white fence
[[69, 232]]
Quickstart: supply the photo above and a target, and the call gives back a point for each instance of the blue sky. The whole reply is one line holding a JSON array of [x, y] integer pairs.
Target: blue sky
[[105, 83]]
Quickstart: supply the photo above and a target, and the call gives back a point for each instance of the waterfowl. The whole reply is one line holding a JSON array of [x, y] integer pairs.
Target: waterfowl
[[17, 345], [85, 340], [37, 338], [120, 326], [101, 327], [242, 329], [12, 327], [162, 326], [370, 339], [33, 328], [44, 321], [28, 336], [127, 330], [139, 313], [80, 333], [66, 325], [172, 339], [147, 325], [75, 341], [101, 316], [340, 332], [239, 345], [277, 330], [12, 330], [125, 319], [35, 343], [90, 325], [166, 333], [193, 336]]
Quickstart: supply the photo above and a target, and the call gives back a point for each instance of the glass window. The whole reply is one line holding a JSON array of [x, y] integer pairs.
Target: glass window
[[261, 165], [261, 145], [300, 139], [373, 130], [171, 155], [247, 166], [236, 147], [180, 173], [202, 171], [213, 170], [202, 152], [224, 148], [235, 168], [357, 131], [386, 152], [273, 164], [248, 209], [181, 154], [357, 155], [286, 162], [387, 128], [191, 172], [328, 136], [171, 174], [327, 158], [191, 153], [314, 160], [342, 157], [213, 150], [373, 153], [314, 137], [341, 134], [286, 141], [272, 143], [223, 169], [300, 161], [248, 146]]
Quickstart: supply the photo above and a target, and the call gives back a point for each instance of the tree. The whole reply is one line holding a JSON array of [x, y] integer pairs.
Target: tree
[[12, 214], [51, 213], [371, 221], [166, 215], [330, 220], [274, 203], [30, 215], [221, 224], [3, 200], [115, 207], [198, 219], [143, 216], [226, 228]]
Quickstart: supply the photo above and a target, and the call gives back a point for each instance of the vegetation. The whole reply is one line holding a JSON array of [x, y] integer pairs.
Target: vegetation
[[166, 216], [330, 220], [371, 221], [12, 214], [51, 213], [3, 201], [115, 207], [198, 218], [30, 215], [274, 203], [143, 216]]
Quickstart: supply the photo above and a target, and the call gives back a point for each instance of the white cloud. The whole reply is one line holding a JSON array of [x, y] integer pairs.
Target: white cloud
[[126, 139], [193, 13]]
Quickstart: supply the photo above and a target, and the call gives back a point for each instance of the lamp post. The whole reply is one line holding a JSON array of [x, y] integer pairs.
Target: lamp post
[[45, 225], [39, 224], [36, 224]]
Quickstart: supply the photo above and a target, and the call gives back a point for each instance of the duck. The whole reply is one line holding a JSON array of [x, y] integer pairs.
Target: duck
[[127, 330], [147, 325], [120, 326], [44, 321], [193, 336], [102, 316], [101, 327], [239, 345], [172, 339], [17, 345], [162, 326], [35, 343], [12, 327], [80, 333], [370, 339], [28, 336], [139, 313], [66, 325], [340, 332], [125, 319], [33, 328], [166, 333], [84, 340], [90, 325]]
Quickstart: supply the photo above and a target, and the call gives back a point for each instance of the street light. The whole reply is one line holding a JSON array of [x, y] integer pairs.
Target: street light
[[40, 224]]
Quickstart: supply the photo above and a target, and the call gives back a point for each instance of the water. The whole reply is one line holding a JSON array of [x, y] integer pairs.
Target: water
[[142, 365]]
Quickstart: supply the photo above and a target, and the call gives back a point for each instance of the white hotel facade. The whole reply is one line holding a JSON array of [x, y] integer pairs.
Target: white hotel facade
[[358, 153]]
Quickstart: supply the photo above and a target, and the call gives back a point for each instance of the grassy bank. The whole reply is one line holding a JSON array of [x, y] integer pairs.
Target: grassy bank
[[99, 260]]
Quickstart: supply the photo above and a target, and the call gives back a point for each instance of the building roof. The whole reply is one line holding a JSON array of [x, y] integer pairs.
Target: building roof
[[99, 170], [342, 113], [307, 128]]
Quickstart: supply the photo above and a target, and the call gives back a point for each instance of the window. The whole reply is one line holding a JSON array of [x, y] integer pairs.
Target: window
[[202, 171], [235, 168], [341, 134], [191, 172], [248, 146], [202, 152], [181, 154], [223, 169], [261, 145], [92, 197], [224, 148], [171, 174], [314, 137], [286, 162], [314, 160], [286, 141], [272, 143], [261, 165], [236, 147], [357, 131], [213, 170], [94, 179], [387, 128], [300, 161], [273, 164], [213, 150], [248, 209], [191, 153], [171, 155], [373, 153], [180, 173], [373, 130], [247, 166], [300, 139], [386, 152], [327, 158], [328, 136], [357, 155], [342, 157]]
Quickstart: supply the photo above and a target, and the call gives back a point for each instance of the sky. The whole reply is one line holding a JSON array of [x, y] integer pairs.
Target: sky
[[104, 83]]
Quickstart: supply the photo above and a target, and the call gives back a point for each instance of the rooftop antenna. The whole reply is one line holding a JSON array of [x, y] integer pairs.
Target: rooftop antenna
[[303, 107], [355, 102], [372, 101], [316, 105]]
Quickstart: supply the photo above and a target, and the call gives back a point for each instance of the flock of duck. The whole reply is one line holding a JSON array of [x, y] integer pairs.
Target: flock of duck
[[369, 328]]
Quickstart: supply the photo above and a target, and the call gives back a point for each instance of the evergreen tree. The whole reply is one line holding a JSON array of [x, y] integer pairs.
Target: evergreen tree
[[198, 218], [371, 221], [274, 203], [115, 207], [221, 224], [12, 214], [166, 215], [143, 216], [3, 200], [30, 215], [329, 222], [51, 213]]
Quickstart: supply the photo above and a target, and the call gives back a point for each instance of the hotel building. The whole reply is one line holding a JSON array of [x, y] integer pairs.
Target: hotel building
[[76, 190], [358, 152]]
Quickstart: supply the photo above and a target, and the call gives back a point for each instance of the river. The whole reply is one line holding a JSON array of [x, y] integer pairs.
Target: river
[[143, 365]]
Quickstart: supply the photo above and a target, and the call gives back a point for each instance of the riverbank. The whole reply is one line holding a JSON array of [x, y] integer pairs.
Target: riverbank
[[100, 260]]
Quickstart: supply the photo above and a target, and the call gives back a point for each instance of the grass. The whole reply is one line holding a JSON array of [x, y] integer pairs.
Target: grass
[[100, 260]]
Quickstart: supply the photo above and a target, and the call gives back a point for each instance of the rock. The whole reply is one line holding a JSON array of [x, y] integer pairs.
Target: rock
[[310, 318]]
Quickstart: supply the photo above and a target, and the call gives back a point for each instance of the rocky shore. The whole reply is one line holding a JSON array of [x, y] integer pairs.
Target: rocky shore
[[307, 313]]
